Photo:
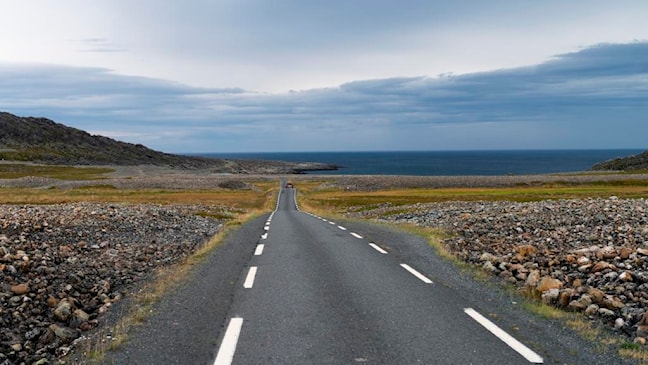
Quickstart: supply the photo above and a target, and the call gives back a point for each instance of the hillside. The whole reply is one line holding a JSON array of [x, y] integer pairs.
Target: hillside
[[630, 163], [44, 141]]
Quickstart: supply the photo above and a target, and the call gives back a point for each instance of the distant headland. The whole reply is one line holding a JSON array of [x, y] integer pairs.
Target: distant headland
[[41, 140]]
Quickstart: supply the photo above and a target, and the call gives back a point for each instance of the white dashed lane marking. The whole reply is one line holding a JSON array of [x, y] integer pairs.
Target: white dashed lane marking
[[226, 351], [516, 345], [356, 235], [377, 248], [420, 276], [259, 250], [249, 279]]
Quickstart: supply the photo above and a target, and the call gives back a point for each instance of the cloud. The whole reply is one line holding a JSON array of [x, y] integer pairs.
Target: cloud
[[273, 46], [99, 45], [596, 97]]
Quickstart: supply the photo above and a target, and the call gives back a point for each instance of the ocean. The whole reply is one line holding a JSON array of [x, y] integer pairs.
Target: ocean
[[439, 163]]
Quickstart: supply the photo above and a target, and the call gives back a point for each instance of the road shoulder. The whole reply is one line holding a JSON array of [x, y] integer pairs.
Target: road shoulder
[[550, 338], [186, 324]]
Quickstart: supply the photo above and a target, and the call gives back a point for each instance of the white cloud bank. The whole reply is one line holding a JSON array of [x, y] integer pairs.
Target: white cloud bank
[[594, 98]]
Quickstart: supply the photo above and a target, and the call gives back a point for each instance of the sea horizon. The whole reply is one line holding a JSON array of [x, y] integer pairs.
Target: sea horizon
[[443, 163]]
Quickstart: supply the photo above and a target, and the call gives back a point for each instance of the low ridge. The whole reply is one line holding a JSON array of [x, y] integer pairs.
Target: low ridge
[[630, 163], [42, 140]]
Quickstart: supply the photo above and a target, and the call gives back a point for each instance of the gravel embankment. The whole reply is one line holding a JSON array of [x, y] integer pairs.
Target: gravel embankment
[[62, 266], [588, 256]]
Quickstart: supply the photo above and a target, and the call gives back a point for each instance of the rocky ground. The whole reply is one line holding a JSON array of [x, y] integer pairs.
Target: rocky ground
[[62, 266], [588, 256], [374, 183]]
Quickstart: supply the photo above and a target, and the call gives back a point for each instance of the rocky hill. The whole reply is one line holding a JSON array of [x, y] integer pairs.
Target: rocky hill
[[44, 141], [630, 163]]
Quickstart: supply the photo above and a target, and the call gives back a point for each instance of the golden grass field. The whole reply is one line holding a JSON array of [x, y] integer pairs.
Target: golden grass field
[[337, 200], [311, 191], [258, 199]]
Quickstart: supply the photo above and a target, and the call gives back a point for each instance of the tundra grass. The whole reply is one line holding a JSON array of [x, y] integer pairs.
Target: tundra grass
[[240, 199], [14, 171], [338, 200]]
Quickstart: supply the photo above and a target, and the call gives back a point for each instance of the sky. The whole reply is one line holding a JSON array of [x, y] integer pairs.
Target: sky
[[199, 76]]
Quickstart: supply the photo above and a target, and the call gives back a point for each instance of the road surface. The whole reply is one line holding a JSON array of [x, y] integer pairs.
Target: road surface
[[294, 288]]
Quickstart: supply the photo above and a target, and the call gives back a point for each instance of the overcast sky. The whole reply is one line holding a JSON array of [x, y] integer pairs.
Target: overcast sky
[[311, 75]]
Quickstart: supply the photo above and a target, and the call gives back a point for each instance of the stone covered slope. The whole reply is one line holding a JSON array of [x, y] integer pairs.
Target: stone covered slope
[[62, 267], [43, 140], [630, 163]]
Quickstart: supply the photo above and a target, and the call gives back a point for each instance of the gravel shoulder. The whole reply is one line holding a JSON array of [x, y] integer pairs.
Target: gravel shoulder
[[191, 317]]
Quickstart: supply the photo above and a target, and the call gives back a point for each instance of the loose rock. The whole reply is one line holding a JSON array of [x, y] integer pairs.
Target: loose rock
[[63, 266]]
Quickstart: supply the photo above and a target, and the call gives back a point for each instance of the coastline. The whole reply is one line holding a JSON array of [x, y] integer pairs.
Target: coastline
[[149, 176], [445, 163]]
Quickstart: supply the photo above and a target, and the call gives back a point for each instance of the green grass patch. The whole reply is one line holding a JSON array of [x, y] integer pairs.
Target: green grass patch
[[634, 351], [222, 215], [91, 187], [544, 310], [630, 346], [15, 171]]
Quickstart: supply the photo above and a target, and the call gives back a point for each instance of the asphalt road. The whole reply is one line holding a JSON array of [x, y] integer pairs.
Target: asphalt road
[[323, 295], [292, 288]]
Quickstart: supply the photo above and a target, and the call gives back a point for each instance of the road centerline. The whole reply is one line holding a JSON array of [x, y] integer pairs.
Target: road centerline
[[420, 276], [377, 248], [249, 279], [356, 235], [259, 250], [230, 340]]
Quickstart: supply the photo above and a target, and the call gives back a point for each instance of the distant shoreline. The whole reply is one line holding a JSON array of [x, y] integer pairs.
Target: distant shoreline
[[444, 163], [147, 176]]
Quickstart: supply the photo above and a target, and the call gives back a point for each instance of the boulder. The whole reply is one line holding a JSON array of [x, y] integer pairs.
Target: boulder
[[548, 283]]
